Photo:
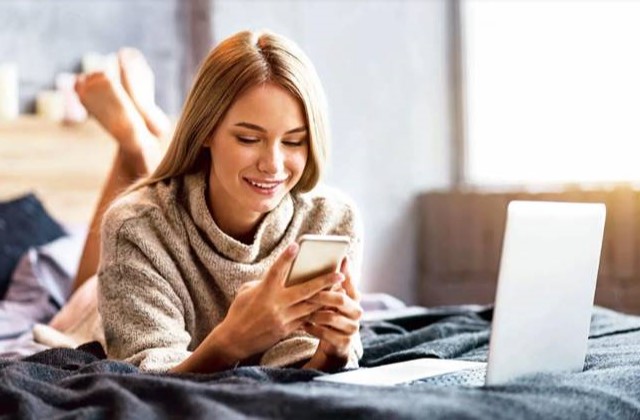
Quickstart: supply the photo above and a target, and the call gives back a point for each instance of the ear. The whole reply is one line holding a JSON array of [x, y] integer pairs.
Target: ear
[[208, 142]]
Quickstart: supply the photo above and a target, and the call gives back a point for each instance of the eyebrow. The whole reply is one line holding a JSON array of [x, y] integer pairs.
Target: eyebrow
[[300, 129]]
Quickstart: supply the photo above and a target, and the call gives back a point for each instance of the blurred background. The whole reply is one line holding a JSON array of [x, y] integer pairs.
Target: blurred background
[[441, 111]]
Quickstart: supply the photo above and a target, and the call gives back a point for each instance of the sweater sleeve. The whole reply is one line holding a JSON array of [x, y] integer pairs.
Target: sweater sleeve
[[142, 318], [301, 346]]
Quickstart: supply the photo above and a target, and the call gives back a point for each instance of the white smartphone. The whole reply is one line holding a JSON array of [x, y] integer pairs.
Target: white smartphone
[[318, 255]]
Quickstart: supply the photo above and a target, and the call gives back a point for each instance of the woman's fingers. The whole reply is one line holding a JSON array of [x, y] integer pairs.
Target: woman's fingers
[[304, 291], [301, 311], [336, 338], [277, 274], [334, 320], [339, 301]]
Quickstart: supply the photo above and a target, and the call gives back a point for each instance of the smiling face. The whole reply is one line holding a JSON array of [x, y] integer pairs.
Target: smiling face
[[258, 154]]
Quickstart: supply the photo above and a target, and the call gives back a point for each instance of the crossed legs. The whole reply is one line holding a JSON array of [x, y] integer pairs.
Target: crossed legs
[[129, 113]]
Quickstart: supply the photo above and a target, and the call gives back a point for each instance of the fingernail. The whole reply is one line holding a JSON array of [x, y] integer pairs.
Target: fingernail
[[337, 277], [292, 249]]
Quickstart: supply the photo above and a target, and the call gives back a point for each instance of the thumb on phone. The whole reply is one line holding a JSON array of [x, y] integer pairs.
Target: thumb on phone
[[277, 274]]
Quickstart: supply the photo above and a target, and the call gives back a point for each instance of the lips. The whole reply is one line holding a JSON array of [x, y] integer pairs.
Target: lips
[[264, 186]]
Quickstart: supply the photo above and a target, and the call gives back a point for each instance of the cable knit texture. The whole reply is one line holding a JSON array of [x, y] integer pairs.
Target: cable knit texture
[[168, 274]]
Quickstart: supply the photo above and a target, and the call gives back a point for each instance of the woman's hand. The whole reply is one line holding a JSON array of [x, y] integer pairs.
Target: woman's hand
[[336, 324], [265, 312]]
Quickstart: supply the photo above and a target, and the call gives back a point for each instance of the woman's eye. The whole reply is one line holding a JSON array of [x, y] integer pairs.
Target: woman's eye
[[293, 143], [247, 140]]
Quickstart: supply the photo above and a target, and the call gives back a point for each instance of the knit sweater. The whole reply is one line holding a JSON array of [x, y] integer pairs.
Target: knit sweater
[[168, 273]]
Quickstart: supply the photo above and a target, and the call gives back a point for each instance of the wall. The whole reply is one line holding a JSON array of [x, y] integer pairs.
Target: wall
[[48, 37], [384, 65]]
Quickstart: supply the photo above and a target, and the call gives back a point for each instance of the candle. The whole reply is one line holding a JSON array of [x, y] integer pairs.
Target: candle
[[94, 62], [112, 67], [50, 105], [73, 109], [8, 91]]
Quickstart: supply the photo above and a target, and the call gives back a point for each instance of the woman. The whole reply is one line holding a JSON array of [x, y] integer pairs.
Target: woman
[[194, 257]]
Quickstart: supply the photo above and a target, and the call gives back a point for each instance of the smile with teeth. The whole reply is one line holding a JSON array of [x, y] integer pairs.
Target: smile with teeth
[[264, 185]]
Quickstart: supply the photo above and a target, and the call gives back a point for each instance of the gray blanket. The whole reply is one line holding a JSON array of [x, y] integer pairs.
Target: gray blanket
[[63, 382]]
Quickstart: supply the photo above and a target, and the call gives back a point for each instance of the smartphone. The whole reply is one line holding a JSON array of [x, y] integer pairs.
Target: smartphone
[[318, 255]]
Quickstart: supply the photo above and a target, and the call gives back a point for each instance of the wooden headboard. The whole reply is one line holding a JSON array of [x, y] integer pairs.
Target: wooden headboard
[[461, 241], [64, 165]]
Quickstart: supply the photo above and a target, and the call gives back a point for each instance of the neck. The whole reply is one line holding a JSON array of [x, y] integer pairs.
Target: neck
[[242, 231], [241, 227]]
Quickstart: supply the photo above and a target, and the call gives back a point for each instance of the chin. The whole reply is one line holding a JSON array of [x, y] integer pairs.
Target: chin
[[266, 206]]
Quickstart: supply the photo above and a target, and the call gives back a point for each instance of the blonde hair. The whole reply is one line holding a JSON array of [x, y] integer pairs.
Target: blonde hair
[[242, 61]]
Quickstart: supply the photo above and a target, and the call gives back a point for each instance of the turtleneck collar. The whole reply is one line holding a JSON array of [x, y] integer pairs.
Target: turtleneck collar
[[269, 233]]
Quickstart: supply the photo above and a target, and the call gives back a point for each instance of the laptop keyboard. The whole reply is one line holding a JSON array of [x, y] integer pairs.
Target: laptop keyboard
[[468, 377]]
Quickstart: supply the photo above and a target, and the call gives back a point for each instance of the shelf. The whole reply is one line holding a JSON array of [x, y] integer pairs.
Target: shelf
[[64, 165]]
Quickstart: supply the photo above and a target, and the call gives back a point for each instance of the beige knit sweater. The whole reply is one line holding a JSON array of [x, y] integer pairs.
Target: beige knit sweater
[[168, 274]]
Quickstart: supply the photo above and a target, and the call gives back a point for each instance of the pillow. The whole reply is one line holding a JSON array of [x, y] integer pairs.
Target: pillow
[[24, 223]]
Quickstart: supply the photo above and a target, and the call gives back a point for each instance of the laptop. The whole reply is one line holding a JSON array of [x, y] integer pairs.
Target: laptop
[[548, 272]]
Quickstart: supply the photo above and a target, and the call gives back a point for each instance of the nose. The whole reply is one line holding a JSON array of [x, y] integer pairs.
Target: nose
[[271, 160]]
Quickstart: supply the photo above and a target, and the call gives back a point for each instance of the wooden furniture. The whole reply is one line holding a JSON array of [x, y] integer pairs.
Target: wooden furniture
[[460, 242], [64, 165]]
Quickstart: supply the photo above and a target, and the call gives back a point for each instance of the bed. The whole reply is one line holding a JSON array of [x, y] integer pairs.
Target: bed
[[83, 383], [80, 382]]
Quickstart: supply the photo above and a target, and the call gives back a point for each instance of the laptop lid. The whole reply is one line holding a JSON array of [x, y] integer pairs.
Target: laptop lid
[[546, 286]]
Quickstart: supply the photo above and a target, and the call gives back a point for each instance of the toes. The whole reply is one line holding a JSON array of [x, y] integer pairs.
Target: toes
[[79, 83]]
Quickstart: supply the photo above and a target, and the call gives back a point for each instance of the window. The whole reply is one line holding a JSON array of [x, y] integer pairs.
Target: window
[[551, 91]]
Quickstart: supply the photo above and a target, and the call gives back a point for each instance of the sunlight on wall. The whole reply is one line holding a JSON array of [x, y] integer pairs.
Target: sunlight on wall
[[552, 91]]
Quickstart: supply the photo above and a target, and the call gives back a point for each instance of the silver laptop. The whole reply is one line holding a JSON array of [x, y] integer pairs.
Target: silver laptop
[[543, 305]]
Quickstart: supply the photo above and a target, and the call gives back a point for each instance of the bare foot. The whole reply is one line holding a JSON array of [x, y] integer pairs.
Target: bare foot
[[107, 102], [139, 82]]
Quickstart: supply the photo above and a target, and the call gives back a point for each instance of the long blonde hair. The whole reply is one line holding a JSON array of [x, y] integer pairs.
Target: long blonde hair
[[240, 62]]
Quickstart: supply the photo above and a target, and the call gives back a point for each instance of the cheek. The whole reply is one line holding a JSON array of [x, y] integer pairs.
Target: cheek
[[231, 161], [297, 163]]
